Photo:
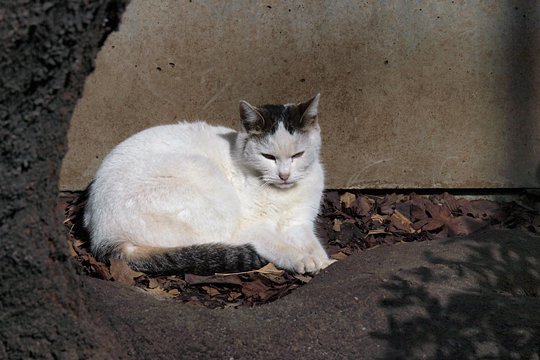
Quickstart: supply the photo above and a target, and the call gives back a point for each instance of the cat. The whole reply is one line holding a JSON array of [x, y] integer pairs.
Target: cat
[[197, 198]]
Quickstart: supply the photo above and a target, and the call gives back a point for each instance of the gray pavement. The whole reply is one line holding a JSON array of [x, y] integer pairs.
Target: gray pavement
[[462, 298]]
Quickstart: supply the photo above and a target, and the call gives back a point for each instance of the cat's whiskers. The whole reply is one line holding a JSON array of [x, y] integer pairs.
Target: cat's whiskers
[[264, 184]]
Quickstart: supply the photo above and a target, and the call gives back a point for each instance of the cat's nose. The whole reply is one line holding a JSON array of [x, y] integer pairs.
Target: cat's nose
[[284, 176]]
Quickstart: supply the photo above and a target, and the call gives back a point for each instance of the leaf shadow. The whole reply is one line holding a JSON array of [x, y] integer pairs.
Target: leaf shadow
[[495, 315]]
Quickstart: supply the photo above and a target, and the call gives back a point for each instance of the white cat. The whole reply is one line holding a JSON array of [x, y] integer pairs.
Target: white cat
[[192, 197]]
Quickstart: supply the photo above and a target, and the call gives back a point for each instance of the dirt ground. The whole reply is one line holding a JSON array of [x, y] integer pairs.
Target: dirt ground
[[462, 298]]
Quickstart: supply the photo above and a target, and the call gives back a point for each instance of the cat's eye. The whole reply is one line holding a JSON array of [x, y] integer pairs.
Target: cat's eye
[[269, 157], [297, 155]]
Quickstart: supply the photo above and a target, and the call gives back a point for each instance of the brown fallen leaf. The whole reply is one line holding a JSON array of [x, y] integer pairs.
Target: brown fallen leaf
[[332, 197], [270, 268], [78, 243], [71, 249], [377, 232], [303, 278], [418, 213], [121, 272], [163, 293], [229, 279], [450, 202], [350, 233], [337, 225], [339, 256], [378, 218], [400, 222], [404, 208], [433, 209], [211, 291], [266, 269], [96, 268], [420, 223], [362, 206], [257, 290], [348, 199], [174, 292], [464, 225], [233, 295], [387, 204], [153, 283], [433, 225]]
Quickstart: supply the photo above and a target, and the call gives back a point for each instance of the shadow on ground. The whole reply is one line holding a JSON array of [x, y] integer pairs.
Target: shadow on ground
[[481, 301]]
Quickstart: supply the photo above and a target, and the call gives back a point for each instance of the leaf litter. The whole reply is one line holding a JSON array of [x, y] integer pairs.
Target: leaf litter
[[348, 222]]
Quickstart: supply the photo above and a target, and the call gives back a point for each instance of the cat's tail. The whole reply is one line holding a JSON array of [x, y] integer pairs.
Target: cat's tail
[[202, 259]]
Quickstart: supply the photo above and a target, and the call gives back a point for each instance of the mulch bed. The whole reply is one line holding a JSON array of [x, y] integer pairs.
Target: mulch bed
[[349, 222]]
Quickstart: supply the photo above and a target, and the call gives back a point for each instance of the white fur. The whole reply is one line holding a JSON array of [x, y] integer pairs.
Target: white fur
[[193, 183]]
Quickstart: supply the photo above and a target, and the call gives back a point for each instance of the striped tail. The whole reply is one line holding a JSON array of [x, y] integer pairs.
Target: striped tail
[[203, 259]]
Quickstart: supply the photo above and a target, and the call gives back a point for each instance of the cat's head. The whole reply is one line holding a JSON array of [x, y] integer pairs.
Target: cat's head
[[280, 143]]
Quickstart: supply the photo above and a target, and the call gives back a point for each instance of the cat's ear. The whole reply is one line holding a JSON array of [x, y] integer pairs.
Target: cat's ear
[[310, 112], [252, 120]]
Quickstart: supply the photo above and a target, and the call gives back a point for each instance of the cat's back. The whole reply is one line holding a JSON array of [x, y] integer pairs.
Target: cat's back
[[164, 139], [148, 188], [167, 143]]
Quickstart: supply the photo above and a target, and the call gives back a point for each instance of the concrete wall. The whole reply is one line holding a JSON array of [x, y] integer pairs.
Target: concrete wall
[[414, 93]]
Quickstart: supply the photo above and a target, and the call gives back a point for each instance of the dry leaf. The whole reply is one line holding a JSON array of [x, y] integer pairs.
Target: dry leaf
[[479, 208], [418, 212], [420, 223], [333, 199], [258, 290], [303, 278], [402, 218], [267, 269], [174, 292], [433, 209], [233, 295], [378, 231], [362, 206], [339, 256], [230, 279], [78, 243], [211, 291], [163, 293], [71, 249], [378, 218], [153, 283], [337, 225], [98, 268], [348, 199], [401, 222], [121, 272], [464, 225], [270, 269], [434, 224], [272, 273]]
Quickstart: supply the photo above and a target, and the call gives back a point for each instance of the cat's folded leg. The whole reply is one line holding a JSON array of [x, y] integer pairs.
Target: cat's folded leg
[[273, 247], [304, 238], [298, 249]]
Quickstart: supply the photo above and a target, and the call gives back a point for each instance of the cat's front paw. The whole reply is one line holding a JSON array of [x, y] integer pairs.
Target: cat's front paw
[[312, 264]]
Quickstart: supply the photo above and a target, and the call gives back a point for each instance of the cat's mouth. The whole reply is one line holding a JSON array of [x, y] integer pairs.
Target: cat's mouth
[[285, 185]]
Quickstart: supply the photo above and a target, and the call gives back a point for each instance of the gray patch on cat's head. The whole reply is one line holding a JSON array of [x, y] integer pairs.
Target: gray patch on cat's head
[[265, 120]]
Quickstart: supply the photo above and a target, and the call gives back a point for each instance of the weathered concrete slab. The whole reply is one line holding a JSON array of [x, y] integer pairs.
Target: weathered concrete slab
[[463, 298], [414, 93]]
